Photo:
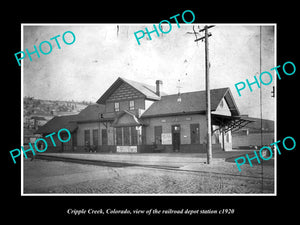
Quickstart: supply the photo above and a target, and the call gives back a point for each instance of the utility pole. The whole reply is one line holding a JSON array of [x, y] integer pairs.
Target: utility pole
[[261, 111], [207, 91]]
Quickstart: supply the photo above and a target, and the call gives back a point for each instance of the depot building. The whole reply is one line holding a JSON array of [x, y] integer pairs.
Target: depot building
[[138, 118]]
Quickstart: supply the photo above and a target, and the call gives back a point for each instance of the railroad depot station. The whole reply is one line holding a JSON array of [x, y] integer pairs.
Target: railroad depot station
[[138, 118]]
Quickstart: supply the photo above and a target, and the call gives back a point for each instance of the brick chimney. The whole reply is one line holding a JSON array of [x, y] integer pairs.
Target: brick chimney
[[158, 87]]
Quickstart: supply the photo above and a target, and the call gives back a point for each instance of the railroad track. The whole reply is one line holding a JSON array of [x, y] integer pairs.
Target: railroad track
[[160, 167]]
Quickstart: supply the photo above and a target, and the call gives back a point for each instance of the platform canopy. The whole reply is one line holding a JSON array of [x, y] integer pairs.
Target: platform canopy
[[229, 123]]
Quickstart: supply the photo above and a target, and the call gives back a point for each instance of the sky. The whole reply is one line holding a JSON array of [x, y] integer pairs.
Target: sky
[[101, 53]]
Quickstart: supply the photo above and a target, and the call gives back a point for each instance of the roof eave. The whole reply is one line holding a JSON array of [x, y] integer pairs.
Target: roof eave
[[95, 120], [236, 111], [174, 114], [116, 84]]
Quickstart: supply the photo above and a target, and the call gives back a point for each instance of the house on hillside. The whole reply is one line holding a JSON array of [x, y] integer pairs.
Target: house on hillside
[[134, 117]]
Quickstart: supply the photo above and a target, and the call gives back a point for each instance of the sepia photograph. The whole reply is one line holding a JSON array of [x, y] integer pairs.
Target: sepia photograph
[[148, 109]]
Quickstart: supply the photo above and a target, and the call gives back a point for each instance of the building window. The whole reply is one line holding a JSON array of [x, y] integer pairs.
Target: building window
[[87, 138], [134, 136], [126, 136], [95, 137], [104, 136], [119, 135], [195, 133], [157, 134], [131, 105], [117, 106]]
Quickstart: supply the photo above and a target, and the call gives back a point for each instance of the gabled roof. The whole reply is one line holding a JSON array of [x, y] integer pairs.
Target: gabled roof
[[91, 113], [131, 120], [147, 90], [191, 102], [57, 123]]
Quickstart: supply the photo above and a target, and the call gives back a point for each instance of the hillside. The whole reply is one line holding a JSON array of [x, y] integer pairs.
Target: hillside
[[51, 107], [37, 112]]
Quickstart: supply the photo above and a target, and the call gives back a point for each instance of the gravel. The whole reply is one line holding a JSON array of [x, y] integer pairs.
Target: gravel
[[41, 176]]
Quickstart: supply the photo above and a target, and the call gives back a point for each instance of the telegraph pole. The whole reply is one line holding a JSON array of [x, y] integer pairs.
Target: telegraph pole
[[207, 91], [261, 112]]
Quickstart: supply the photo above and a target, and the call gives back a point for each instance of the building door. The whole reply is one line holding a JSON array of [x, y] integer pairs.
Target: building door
[[87, 138], [176, 137], [95, 140], [195, 133], [95, 137], [104, 136], [157, 135]]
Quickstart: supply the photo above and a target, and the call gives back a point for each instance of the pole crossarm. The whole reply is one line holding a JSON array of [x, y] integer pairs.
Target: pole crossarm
[[208, 27], [199, 39], [205, 29]]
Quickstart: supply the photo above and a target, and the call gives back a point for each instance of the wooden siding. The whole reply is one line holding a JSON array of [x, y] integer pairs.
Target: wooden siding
[[124, 92]]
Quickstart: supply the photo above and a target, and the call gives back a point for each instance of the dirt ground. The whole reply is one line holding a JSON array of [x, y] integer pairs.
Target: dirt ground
[[186, 176]]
